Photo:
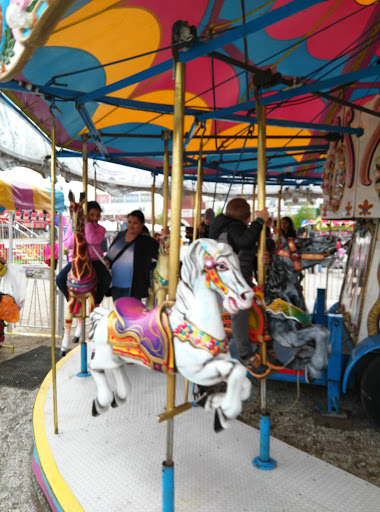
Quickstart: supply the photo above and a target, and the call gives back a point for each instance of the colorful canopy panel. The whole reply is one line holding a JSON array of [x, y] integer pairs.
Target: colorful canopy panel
[[105, 71]]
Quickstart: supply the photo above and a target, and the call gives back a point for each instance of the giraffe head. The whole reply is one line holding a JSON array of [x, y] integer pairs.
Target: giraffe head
[[77, 212]]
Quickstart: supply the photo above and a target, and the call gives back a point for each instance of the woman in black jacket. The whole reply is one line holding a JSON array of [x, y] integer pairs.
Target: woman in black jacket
[[131, 256]]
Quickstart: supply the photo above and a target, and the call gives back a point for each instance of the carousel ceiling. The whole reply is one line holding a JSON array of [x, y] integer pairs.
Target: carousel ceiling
[[104, 68]]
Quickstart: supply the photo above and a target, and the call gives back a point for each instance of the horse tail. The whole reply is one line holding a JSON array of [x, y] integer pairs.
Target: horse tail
[[95, 317]]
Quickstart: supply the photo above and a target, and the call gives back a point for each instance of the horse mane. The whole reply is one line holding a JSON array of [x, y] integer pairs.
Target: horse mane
[[276, 282]]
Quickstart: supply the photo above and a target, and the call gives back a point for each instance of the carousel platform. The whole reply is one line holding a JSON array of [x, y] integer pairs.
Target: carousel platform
[[114, 462]]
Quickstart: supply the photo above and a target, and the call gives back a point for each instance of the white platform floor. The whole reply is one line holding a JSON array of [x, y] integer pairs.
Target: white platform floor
[[113, 462]]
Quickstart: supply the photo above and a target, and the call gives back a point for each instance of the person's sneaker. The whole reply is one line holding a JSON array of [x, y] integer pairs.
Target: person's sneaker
[[256, 368], [273, 361]]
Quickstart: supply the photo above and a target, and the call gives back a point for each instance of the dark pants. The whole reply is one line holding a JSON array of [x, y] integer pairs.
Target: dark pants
[[104, 280]]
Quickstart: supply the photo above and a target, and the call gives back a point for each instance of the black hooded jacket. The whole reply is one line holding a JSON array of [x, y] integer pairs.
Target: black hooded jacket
[[241, 238]]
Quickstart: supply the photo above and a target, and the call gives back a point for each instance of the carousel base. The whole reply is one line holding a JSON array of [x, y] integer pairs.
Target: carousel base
[[114, 462]]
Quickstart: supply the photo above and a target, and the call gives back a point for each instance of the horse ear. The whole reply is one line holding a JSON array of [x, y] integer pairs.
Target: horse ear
[[82, 197], [71, 197]]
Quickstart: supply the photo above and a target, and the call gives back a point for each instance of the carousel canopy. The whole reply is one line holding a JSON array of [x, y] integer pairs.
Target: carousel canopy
[[16, 194], [104, 71]]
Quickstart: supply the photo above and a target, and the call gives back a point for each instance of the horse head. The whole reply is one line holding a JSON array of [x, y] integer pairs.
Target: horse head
[[218, 266], [76, 212], [303, 253], [164, 246]]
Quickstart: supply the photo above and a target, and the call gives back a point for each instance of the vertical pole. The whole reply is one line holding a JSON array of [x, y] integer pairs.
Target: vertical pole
[[166, 136], [253, 202], [198, 195], [176, 207], [85, 169], [83, 345], [52, 274], [95, 183], [278, 221], [153, 191], [61, 316], [84, 372], [10, 237], [263, 461]]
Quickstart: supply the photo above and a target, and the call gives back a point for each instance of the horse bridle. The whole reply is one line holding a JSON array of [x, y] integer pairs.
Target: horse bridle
[[211, 273], [294, 255]]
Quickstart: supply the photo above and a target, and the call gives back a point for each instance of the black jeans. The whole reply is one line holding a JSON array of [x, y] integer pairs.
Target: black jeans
[[104, 280]]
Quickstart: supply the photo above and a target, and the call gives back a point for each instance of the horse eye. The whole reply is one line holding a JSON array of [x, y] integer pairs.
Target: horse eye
[[222, 266]]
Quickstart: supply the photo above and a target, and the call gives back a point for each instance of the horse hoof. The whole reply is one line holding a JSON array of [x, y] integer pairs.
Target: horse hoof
[[76, 339], [218, 427], [94, 412], [117, 400], [98, 409], [63, 352]]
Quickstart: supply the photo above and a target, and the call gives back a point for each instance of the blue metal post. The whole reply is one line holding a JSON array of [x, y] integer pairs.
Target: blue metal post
[[83, 345], [334, 368], [168, 487], [264, 461]]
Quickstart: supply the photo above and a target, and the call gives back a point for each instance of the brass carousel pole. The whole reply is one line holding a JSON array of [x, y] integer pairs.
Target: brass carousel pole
[[83, 346], [278, 220], [85, 169], [52, 274], [198, 196], [153, 191], [264, 461], [95, 183], [253, 202], [166, 136], [176, 207]]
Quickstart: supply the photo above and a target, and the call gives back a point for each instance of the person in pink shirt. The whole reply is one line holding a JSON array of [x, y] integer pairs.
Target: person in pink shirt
[[94, 234], [47, 254]]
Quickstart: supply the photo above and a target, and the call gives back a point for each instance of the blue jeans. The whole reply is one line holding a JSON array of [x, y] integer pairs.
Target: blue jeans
[[104, 280]]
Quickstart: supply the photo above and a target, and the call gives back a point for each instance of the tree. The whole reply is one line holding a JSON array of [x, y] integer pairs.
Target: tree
[[304, 213]]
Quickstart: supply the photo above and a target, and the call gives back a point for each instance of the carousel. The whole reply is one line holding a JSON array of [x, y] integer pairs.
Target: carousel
[[220, 93]]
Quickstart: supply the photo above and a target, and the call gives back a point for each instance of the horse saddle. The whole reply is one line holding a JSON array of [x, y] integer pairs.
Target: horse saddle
[[139, 334]]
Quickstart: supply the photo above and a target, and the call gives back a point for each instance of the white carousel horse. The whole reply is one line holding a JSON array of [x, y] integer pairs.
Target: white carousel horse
[[188, 335]]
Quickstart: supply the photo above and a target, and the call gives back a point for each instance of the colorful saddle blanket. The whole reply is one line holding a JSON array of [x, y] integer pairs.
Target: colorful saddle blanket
[[139, 334]]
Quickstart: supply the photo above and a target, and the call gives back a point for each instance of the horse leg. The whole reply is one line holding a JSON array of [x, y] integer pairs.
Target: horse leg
[[229, 405], [68, 321], [318, 362], [123, 386], [104, 395]]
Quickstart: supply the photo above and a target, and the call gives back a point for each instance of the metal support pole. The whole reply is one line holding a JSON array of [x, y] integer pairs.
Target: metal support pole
[[153, 191], [85, 169], [83, 345], [198, 195], [166, 136], [11, 218], [61, 306], [278, 221], [253, 202], [95, 183], [52, 273], [176, 207], [263, 461]]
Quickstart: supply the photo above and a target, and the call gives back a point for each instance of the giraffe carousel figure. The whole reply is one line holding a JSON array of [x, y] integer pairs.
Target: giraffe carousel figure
[[82, 278]]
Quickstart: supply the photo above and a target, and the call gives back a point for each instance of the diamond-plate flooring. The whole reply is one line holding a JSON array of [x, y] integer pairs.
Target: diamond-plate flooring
[[113, 462]]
